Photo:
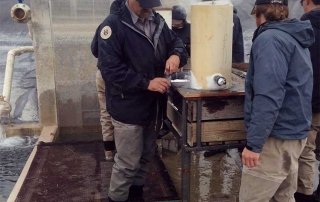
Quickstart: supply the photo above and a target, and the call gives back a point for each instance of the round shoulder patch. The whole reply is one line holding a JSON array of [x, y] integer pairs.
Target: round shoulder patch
[[106, 32]]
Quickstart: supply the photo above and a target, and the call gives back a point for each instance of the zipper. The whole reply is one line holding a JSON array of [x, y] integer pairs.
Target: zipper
[[134, 29]]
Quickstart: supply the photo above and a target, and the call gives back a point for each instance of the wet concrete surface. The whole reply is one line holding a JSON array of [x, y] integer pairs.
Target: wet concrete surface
[[210, 176], [78, 171], [14, 152]]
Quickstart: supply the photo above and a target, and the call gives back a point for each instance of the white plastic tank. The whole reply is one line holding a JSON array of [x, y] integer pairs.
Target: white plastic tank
[[211, 45]]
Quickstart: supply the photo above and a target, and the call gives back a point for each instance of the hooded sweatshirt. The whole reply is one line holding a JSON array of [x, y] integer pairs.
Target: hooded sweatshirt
[[314, 17], [279, 83]]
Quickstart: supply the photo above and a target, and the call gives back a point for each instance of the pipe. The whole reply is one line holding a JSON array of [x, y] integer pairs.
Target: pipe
[[21, 13], [30, 27], [9, 69]]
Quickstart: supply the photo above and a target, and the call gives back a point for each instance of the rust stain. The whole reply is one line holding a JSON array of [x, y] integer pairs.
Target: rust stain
[[215, 105]]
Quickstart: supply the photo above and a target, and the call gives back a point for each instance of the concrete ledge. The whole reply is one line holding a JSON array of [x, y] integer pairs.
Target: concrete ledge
[[80, 130], [48, 134], [22, 129]]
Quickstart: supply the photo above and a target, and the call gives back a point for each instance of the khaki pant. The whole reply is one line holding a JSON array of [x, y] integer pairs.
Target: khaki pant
[[307, 159], [105, 118], [136, 147], [275, 178]]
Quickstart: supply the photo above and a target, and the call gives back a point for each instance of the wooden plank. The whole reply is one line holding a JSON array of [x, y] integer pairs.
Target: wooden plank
[[223, 108], [212, 131], [215, 131]]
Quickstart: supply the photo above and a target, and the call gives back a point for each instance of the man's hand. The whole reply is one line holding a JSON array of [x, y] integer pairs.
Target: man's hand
[[249, 158], [172, 64], [160, 85]]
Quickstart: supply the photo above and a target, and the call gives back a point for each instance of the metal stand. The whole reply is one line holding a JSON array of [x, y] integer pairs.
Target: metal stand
[[187, 149]]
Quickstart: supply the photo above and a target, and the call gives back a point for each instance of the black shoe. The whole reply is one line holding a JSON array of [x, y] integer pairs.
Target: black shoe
[[136, 190], [303, 198], [136, 199], [316, 196], [110, 200]]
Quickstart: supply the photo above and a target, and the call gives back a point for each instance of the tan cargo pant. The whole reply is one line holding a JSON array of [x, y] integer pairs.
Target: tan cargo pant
[[105, 118], [307, 159], [275, 178]]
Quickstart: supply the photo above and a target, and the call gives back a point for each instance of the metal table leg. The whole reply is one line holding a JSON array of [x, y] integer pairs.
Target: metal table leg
[[199, 118], [186, 155]]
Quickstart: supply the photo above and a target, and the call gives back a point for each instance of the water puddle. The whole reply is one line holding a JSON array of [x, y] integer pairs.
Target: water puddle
[[219, 174], [14, 152]]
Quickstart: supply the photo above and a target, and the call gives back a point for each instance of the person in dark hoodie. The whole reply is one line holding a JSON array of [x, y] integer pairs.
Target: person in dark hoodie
[[278, 91], [308, 157], [180, 25], [134, 47], [237, 39]]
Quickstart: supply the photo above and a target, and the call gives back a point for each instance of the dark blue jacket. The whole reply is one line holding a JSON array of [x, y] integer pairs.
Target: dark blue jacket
[[116, 5], [279, 83], [314, 17], [128, 60]]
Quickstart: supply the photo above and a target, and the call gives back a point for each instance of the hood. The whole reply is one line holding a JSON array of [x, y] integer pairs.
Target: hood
[[314, 17], [116, 6], [301, 31]]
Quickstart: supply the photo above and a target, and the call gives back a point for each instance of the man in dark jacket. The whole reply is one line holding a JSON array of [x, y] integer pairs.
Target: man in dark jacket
[[307, 158], [237, 40], [180, 25], [134, 47], [277, 103], [105, 118]]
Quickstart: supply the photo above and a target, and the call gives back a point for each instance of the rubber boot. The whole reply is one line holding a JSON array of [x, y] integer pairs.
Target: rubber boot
[[303, 198]]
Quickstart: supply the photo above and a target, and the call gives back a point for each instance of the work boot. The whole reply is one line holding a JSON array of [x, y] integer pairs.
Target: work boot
[[316, 195], [110, 200], [303, 198], [135, 193], [136, 190], [109, 155]]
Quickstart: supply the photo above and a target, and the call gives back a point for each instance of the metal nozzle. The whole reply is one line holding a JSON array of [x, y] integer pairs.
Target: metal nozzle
[[219, 80]]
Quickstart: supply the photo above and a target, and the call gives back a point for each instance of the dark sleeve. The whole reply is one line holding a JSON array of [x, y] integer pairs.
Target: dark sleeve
[[112, 66], [237, 45], [94, 44], [175, 45], [270, 71]]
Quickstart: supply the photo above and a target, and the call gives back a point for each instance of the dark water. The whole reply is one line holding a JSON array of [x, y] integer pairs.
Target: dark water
[[14, 153]]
